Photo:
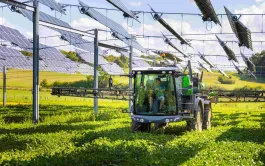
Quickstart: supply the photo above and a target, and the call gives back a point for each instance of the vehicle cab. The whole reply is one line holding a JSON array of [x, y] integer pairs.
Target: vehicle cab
[[157, 94]]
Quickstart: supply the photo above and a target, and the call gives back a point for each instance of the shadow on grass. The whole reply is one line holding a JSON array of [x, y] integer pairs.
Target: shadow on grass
[[23, 113], [12, 142], [256, 135], [53, 128], [120, 146]]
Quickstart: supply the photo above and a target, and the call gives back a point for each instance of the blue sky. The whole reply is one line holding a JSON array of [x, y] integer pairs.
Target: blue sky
[[190, 24]]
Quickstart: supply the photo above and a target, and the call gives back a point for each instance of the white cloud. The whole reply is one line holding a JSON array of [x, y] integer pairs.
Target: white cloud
[[136, 3], [258, 1], [192, 1]]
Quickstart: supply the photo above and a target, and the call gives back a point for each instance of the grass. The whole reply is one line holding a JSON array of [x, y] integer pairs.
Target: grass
[[212, 80], [69, 134]]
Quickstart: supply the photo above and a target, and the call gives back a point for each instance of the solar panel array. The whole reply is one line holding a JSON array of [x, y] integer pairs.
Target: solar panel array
[[53, 5], [14, 36], [73, 38], [241, 31], [89, 57], [130, 42], [139, 63], [14, 59], [112, 69], [45, 17], [104, 20], [169, 28], [127, 54]]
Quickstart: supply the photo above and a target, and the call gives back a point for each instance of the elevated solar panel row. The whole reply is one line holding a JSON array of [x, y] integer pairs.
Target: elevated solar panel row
[[73, 38], [12, 58], [104, 20], [53, 5], [112, 69], [14, 36], [139, 63], [241, 31], [45, 17], [130, 42], [123, 8], [89, 57], [208, 11]]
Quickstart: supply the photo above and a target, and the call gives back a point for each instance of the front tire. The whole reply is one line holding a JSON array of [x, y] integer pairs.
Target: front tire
[[142, 127], [196, 123]]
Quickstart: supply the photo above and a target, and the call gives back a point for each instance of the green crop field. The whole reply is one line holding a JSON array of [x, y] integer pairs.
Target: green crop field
[[70, 134]]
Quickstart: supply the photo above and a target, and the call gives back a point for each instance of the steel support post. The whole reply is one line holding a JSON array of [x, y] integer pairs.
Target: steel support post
[[35, 106], [130, 77], [96, 72], [4, 86]]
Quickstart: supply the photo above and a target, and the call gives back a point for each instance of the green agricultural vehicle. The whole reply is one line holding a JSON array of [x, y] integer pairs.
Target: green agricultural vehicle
[[163, 95]]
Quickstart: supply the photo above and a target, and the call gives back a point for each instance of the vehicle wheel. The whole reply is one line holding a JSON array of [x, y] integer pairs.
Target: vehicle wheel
[[196, 123], [159, 125], [207, 118], [144, 127]]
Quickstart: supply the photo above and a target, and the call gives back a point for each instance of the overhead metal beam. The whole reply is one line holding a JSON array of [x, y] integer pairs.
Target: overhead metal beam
[[18, 4], [112, 47], [76, 31]]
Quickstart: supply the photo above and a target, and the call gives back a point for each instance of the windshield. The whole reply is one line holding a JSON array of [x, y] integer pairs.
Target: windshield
[[154, 94]]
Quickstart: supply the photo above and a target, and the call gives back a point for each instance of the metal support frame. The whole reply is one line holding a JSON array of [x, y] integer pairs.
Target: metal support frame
[[96, 72], [130, 78], [4, 86], [35, 105]]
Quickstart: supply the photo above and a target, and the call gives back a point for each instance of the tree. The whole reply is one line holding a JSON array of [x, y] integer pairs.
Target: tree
[[258, 59], [44, 83]]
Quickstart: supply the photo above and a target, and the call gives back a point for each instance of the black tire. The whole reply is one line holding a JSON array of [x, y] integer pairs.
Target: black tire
[[143, 127], [207, 118], [196, 123], [159, 125]]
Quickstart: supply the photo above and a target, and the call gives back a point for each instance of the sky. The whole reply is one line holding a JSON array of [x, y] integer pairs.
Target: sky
[[183, 24]]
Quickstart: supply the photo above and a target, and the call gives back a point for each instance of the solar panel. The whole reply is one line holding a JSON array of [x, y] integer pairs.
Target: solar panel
[[130, 42], [169, 28], [73, 38], [222, 72], [237, 68], [14, 36], [45, 18], [173, 46], [104, 20], [89, 57], [241, 31], [112, 69], [139, 63], [127, 13], [205, 59], [205, 67], [77, 41], [85, 69], [250, 65], [53, 5], [127, 54], [231, 55], [208, 11], [14, 59]]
